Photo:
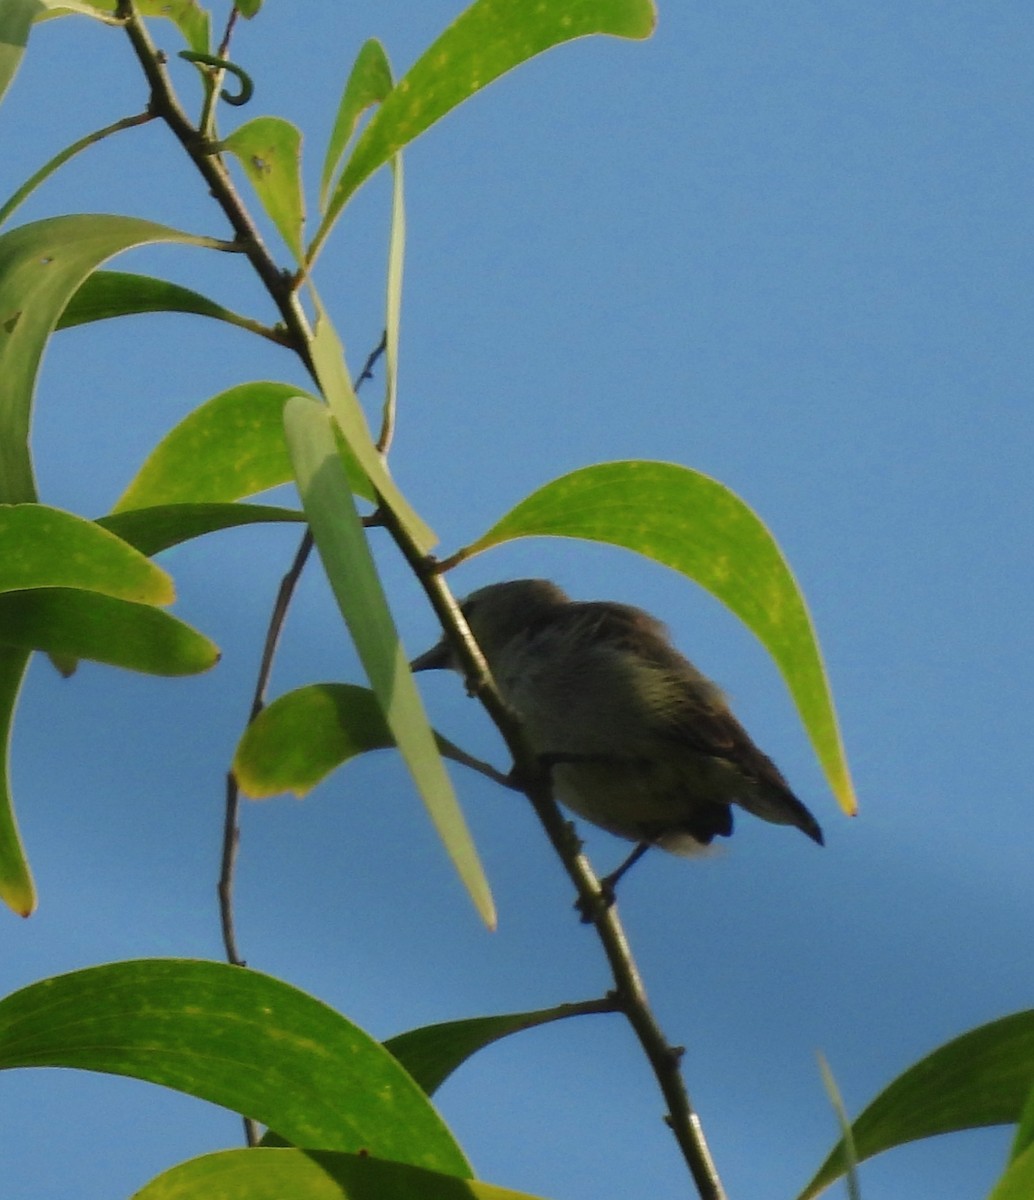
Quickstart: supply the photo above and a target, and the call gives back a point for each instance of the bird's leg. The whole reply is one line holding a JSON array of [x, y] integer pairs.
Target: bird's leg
[[609, 882]]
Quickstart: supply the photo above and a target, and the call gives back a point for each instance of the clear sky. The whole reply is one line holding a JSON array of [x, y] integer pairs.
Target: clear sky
[[789, 246]]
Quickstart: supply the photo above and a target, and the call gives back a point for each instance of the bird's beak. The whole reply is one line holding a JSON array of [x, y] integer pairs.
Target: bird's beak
[[435, 659]]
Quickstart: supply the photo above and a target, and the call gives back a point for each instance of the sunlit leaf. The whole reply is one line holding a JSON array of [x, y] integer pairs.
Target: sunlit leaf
[[431, 1054], [42, 265], [16, 18], [230, 446], [47, 547], [368, 83], [270, 151], [75, 624], [353, 577], [695, 525], [151, 530], [264, 1174], [489, 39], [1018, 1181], [1024, 1136], [187, 15], [16, 887], [981, 1078], [235, 1038]]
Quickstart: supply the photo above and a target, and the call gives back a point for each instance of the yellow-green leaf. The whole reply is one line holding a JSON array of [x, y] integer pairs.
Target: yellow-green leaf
[[270, 151], [16, 887], [700, 528], [368, 83]]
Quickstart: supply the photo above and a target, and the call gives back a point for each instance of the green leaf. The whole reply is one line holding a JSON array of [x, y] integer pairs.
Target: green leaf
[[75, 624], [151, 530], [16, 18], [236, 1038], [328, 358], [431, 1054], [341, 541], [187, 15], [489, 39], [107, 294], [1018, 1181], [230, 446], [393, 313], [249, 8], [1024, 1137], [270, 151], [981, 1078], [263, 1174], [16, 887], [42, 265], [368, 83], [697, 526], [295, 742], [47, 547]]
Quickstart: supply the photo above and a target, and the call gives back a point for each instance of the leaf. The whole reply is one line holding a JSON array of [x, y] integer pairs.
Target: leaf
[[107, 294], [187, 15], [297, 740], [270, 151], [328, 359], [263, 1174], [46, 547], [151, 530], [981, 1078], [353, 577], [1024, 1137], [368, 83], [431, 1054], [696, 526], [393, 307], [75, 624], [236, 1038], [489, 39], [16, 18], [230, 446], [1018, 1181], [42, 265], [16, 887]]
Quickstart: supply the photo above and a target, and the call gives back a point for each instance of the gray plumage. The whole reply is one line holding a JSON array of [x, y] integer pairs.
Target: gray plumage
[[642, 744]]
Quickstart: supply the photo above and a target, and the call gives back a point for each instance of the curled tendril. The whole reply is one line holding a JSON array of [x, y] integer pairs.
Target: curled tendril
[[223, 64]]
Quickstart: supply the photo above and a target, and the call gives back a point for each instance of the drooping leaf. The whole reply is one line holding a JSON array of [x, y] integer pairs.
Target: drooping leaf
[[328, 358], [42, 265], [151, 530], [47, 547], [270, 151], [698, 527], [16, 887], [353, 577], [107, 294], [431, 1054], [16, 18], [229, 447], [368, 83], [236, 1038], [489, 39], [393, 306], [981, 1078], [264, 1174], [298, 739], [72, 624]]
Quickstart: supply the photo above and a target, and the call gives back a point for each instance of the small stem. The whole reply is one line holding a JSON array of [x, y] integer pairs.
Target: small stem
[[231, 21]]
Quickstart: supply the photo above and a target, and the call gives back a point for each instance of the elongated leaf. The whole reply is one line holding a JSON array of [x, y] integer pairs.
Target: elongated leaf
[[151, 530], [230, 446], [393, 307], [1024, 1137], [187, 15], [329, 361], [238, 1039], [489, 39], [42, 265], [980, 1078], [73, 624], [16, 18], [368, 83], [350, 568], [264, 1174], [431, 1054], [16, 887], [46, 547], [697, 526], [270, 151], [1018, 1181], [295, 742], [107, 294]]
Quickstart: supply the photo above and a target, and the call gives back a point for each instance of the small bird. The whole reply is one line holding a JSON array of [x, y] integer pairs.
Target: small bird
[[639, 742]]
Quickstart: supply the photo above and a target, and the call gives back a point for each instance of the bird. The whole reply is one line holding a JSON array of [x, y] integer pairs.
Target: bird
[[638, 741]]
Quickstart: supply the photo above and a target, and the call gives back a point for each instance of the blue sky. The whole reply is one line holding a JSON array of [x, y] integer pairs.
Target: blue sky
[[787, 247]]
